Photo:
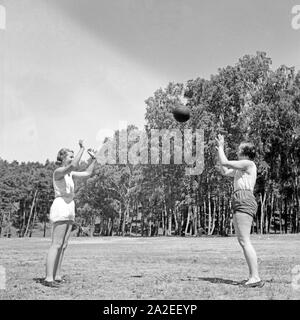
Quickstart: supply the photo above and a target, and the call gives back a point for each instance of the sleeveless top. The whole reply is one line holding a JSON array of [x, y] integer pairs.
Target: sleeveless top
[[64, 187], [243, 180]]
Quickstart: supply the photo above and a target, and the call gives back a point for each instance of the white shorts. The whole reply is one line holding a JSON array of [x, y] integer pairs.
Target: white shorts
[[62, 210]]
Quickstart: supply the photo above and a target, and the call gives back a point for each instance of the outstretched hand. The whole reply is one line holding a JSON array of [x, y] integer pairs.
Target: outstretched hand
[[220, 141]]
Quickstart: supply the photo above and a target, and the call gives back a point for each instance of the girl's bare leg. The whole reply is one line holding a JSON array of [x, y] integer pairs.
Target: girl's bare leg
[[57, 271], [242, 225], [58, 234]]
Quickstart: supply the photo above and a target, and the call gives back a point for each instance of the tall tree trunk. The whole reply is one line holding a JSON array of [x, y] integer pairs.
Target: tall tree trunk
[[271, 212], [257, 224], [195, 220], [293, 214], [262, 212], [163, 220], [297, 212], [229, 213], [267, 217], [188, 220], [111, 226], [21, 234], [136, 221], [45, 228], [285, 215], [120, 220], [198, 218], [165, 217], [274, 218], [204, 217], [213, 223], [176, 221], [33, 221], [150, 224], [169, 222], [224, 222], [142, 222], [1, 224], [130, 228], [280, 217], [124, 221], [220, 215], [92, 226], [209, 214], [31, 211], [8, 225]]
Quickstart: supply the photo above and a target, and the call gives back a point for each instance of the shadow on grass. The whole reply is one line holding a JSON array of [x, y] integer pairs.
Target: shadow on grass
[[216, 280], [226, 281], [220, 280], [38, 280]]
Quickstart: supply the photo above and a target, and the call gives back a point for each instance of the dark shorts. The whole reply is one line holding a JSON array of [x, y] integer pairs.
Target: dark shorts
[[244, 202]]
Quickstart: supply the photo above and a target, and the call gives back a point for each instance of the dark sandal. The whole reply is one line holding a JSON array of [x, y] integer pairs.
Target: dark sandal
[[60, 281], [51, 284], [258, 284], [64, 279]]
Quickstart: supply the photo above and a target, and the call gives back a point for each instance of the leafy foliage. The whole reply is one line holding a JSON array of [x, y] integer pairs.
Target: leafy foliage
[[246, 102]]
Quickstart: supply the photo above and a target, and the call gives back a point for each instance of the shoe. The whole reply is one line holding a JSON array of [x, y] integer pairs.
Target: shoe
[[258, 284], [51, 284], [64, 279]]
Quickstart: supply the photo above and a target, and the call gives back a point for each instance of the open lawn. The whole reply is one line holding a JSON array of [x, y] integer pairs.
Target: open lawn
[[152, 268]]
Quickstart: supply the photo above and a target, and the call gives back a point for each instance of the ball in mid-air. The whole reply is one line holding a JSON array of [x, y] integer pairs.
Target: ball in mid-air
[[181, 113]]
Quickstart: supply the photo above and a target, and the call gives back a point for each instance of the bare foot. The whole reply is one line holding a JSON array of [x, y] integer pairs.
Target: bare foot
[[252, 280]]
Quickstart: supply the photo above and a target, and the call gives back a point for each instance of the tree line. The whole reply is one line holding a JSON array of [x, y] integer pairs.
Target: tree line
[[246, 102]]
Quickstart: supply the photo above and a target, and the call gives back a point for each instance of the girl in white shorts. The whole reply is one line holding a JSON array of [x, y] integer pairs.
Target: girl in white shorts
[[62, 212]]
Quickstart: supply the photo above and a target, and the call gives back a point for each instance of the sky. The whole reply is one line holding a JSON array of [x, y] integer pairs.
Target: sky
[[77, 69]]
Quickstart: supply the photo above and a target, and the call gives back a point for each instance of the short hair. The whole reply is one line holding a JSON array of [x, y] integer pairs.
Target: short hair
[[62, 153], [248, 150]]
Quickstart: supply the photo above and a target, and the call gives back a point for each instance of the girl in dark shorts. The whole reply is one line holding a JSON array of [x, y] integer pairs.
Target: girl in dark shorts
[[244, 204]]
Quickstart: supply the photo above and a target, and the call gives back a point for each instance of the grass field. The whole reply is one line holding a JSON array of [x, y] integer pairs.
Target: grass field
[[151, 268]]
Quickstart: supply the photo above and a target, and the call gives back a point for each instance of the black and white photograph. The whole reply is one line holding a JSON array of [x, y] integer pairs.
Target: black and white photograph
[[149, 151]]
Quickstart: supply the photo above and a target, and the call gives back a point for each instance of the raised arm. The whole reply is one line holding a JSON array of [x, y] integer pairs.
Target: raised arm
[[230, 164], [88, 172], [62, 171]]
